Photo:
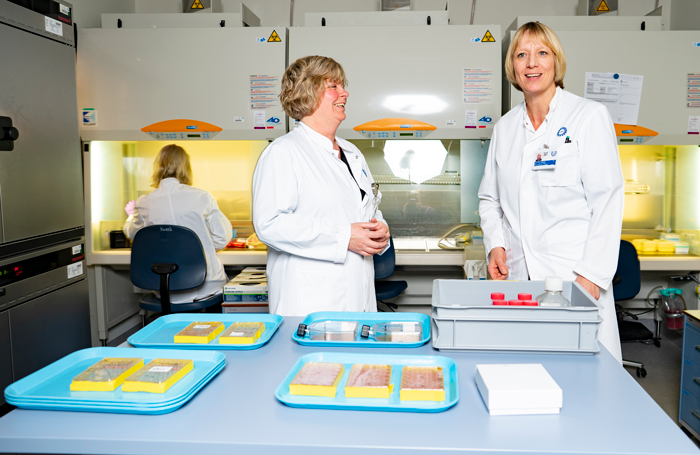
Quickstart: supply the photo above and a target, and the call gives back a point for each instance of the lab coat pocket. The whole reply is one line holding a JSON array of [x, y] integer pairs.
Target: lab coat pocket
[[566, 170]]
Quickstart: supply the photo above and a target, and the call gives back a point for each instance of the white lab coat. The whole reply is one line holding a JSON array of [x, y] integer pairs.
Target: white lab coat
[[304, 201], [182, 205], [564, 221]]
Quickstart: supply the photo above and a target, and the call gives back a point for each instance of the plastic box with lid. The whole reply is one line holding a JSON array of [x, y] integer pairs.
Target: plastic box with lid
[[199, 332], [317, 379], [369, 381], [420, 383], [158, 375], [106, 375], [242, 333]]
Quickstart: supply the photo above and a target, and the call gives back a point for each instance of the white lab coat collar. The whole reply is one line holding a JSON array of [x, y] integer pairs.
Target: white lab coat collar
[[550, 115], [323, 141], [169, 182]]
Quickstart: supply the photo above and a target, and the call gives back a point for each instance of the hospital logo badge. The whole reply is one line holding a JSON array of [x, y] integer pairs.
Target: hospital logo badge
[[561, 132]]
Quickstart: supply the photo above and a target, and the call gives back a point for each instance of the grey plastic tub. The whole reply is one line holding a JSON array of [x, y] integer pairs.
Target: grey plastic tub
[[464, 319]]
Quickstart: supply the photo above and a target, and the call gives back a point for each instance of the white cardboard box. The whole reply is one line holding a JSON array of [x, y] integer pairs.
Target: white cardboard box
[[240, 307], [246, 291], [518, 389]]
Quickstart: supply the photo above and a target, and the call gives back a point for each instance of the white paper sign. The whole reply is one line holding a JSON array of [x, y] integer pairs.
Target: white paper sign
[[202, 326], [161, 369], [236, 334], [259, 119], [77, 249], [470, 118], [694, 124], [620, 93], [75, 270], [53, 26]]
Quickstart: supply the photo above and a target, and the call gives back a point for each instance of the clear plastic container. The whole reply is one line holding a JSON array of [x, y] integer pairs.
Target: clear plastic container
[[200, 332], [394, 332], [106, 375], [158, 375], [671, 308], [330, 330], [242, 333], [552, 296]]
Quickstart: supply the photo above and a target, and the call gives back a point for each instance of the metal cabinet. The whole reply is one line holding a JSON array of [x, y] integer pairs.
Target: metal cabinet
[[5, 354]]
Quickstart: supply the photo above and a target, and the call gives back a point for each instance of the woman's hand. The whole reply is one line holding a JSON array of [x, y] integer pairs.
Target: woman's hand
[[589, 286], [368, 239], [497, 264], [130, 206]]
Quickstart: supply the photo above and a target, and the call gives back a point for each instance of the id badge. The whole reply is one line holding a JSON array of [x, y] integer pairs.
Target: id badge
[[544, 159]]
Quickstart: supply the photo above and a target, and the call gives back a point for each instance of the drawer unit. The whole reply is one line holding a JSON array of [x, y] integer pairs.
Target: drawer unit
[[691, 341], [689, 407], [690, 411]]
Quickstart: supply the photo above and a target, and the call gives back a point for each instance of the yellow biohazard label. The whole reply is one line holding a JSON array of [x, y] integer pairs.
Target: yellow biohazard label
[[197, 5], [603, 7], [488, 37], [274, 38]]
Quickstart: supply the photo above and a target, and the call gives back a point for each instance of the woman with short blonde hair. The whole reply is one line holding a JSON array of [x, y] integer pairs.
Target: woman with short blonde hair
[[176, 202], [304, 81], [545, 35], [315, 202], [552, 193]]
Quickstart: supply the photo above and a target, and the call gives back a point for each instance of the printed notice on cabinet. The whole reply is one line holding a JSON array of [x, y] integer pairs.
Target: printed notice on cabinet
[[263, 91], [477, 87], [693, 90], [620, 93]]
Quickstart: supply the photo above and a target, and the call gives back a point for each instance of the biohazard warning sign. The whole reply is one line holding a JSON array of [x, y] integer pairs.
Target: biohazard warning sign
[[488, 37], [603, 7], [197, 5], [274, 38]]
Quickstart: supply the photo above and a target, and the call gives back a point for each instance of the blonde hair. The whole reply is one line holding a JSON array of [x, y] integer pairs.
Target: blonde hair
[[172, 161], [544, 34], [304, 81]]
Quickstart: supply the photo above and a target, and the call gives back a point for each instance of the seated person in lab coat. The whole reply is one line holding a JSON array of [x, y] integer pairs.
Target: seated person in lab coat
[[565, 218], [314, 203], [176, 202]]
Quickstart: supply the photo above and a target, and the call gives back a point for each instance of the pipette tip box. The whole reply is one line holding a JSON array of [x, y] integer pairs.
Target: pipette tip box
[[199, 332], [242, 333], [369, 381], [518, 389], [422, 384], [106, 375], [317, 379], [158, 375]]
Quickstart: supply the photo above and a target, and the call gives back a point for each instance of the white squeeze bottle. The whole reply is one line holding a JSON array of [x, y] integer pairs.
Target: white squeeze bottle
[[552, 296]]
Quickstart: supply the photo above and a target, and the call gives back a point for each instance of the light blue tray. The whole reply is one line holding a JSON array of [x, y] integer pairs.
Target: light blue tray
[[160, 333], [51, 384], [365, 319], [114, 409], [393, 403], [77, 401]]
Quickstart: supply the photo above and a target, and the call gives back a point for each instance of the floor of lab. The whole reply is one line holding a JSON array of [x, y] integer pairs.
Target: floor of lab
[[663, 367]]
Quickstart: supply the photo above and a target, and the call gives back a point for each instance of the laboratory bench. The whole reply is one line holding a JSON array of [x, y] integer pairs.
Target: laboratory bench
[[604, 411]]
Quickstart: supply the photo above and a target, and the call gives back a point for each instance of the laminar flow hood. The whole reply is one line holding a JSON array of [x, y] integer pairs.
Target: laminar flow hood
[[408, 82], [181, 84]]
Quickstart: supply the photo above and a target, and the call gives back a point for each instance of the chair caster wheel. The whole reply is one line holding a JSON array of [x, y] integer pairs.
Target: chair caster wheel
[[657, 343], [641, 373]]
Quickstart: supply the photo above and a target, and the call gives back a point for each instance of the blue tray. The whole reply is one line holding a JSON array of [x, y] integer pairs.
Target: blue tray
[[393, 403], [160, 333], [51, 384], [114, 409], [365, 319]]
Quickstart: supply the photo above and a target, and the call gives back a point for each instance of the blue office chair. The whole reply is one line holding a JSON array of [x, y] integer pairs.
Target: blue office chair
[[383, 268], [626, 285], [169, 258]]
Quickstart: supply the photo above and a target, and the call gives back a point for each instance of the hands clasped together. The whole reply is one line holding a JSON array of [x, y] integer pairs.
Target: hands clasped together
[[368, 239]]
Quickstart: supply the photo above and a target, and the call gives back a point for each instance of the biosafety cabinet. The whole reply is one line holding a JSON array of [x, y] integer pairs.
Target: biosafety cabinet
[[667, 60], [220, 83], [422, 103]]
